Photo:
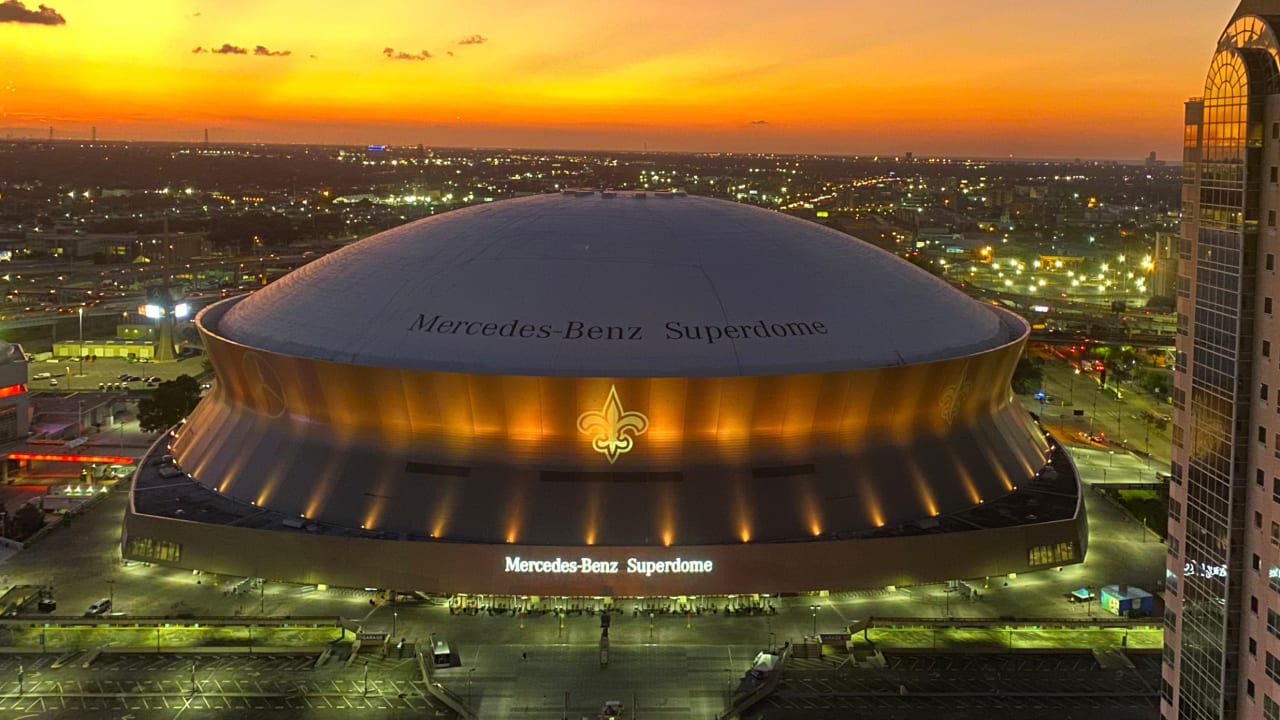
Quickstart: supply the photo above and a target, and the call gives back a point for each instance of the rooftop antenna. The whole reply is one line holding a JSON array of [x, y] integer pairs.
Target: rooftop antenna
[[93, 134]]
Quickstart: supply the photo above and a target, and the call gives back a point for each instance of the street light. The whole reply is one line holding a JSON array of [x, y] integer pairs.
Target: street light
[[80, 312], [815, 609]]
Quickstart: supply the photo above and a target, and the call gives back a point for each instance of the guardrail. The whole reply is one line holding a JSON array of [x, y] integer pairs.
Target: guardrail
[[40, 620]]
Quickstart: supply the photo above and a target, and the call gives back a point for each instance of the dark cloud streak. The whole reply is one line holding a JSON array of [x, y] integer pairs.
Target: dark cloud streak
[[15, 11], [393, 54], [229, 49], [473, 40]]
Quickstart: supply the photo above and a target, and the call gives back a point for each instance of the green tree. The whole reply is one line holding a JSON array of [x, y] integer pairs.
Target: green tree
[[169, 403], [1028, 376], [27, 521]]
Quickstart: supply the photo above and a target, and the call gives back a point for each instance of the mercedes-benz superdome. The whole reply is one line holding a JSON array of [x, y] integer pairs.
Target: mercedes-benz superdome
[[608, 393]]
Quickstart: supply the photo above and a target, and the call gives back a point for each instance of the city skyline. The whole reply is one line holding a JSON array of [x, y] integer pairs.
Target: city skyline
[[1036, 80]]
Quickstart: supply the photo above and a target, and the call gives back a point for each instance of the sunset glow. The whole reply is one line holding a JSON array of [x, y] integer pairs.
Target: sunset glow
[[989, 77]]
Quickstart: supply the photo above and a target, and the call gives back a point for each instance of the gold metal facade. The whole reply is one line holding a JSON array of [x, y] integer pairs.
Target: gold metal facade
[[505, 459]]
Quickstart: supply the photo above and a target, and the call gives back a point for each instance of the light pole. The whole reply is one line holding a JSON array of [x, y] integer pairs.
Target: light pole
[[814, 609], [80, 312], [472, 670], [394, 616]]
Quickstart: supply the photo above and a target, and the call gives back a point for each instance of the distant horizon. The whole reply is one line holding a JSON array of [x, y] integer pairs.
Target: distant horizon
[[89, 141], [981, 79]]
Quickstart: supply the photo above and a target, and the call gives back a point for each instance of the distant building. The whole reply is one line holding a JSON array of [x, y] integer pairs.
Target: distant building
[[15, 401], [1164, 275]]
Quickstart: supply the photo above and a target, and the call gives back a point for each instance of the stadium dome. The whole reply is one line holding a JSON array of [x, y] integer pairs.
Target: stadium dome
[[605, 284], [467, 401]]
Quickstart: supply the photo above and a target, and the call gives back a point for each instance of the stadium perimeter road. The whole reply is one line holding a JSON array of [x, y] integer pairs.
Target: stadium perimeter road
[[81, 561]]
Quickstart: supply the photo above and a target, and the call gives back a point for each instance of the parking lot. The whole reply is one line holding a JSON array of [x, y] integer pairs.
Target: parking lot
[[156, 685], [983, 687]]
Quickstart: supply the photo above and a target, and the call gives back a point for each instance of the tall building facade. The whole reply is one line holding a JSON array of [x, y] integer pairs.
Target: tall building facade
[[1222, 640]]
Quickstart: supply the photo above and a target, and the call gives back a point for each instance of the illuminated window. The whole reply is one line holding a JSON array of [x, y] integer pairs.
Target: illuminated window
[[144, 548], [1056, 554]]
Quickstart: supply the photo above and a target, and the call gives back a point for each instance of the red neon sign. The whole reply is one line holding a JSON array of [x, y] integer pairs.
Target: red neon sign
[[12, 390], [110, 459]]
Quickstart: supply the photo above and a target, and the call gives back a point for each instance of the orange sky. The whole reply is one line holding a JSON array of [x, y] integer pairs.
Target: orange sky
[[1037, 78]]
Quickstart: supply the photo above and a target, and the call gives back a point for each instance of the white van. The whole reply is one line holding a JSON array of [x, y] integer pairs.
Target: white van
[[101, 607]]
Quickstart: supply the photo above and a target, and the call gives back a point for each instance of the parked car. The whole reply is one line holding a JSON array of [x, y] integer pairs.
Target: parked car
[[101, 607]]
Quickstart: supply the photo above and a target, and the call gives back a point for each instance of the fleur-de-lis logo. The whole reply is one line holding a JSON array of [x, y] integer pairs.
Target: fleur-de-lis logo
[[613, 430], [953, 396]]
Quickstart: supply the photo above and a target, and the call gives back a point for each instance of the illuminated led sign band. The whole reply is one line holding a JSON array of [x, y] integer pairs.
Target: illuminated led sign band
[[612, 430], [109, 459], [591, 566]]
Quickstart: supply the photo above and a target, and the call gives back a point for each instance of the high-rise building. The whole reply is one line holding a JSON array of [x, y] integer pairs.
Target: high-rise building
[[1222, 641]]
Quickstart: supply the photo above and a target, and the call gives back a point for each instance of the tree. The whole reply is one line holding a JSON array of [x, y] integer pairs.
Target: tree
[[27, 522], [169, 403], [1027, 376]]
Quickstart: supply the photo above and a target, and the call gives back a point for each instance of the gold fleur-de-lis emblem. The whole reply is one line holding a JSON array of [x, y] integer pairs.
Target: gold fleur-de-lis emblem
[[613, 430]]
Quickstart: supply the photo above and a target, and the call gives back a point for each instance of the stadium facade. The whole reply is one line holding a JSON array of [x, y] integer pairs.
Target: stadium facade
[[599, 393]]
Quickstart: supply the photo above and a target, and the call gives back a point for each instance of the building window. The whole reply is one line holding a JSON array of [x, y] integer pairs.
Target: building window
[[1170, 620], [143, 548], [1273, 622], [1057, 554], [1249, 687], [1266, 304], [1274, 171], [1271, 218], [1275, 130], [1260, 477], [1168, 655], [1263, 392], [1262, 437], [1175, 509], [1175, 546], [1166, 691], [1270, 708], [1273, 667], [1257, 519], [1275, 533], [1253, 604], [1271, 259], [1266, 348], [1253, 647], [1275, 489], [1273, 578]]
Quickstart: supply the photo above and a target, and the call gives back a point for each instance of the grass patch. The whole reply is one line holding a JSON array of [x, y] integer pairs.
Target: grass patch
[[1145, 505]]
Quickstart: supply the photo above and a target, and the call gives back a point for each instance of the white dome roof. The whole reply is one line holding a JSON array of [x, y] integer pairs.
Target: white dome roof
[[593, 285]]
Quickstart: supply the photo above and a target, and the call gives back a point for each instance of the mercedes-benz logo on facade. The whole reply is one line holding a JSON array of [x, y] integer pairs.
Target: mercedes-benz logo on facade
[[264, 383]]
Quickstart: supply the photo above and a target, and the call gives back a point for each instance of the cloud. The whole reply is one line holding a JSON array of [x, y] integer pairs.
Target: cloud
[[393, 54], [758, 122], [449, 53], [14, 11], [229, 49], [473, 40]]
